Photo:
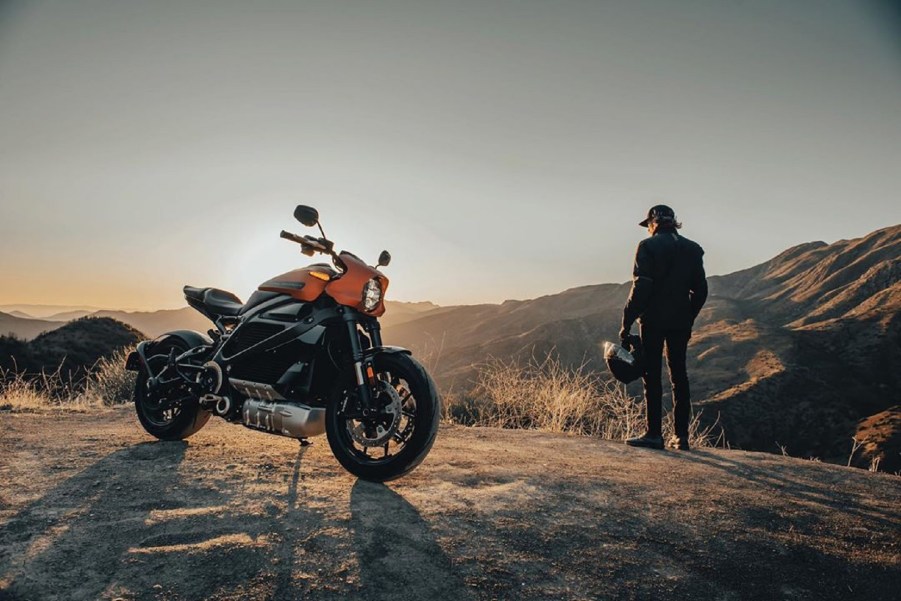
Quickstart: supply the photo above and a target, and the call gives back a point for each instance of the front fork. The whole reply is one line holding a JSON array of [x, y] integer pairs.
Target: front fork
[[362, 369]]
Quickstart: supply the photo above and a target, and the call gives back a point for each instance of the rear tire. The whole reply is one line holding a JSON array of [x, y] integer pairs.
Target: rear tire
[[424, 422], [190, 417]]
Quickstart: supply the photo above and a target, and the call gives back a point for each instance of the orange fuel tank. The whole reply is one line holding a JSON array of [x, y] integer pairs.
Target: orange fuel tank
[[305, 284]]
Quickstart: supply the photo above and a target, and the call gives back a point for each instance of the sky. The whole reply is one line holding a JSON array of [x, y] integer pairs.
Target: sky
[[497, 149]]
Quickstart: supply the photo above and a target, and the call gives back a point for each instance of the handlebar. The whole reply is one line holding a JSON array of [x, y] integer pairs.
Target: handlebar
[[292, 237], [289, 236], [309, 244]]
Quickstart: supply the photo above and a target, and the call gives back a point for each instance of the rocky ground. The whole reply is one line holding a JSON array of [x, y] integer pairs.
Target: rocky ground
[[92, 508]]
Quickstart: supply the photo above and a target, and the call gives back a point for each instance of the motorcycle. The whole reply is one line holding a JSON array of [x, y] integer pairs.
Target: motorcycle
[[302, 357]]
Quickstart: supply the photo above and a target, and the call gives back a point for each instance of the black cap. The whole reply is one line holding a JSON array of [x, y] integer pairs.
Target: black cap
[[658, 213]]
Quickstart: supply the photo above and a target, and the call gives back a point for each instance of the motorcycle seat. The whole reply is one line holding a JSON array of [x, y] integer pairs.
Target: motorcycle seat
[[217, 302]]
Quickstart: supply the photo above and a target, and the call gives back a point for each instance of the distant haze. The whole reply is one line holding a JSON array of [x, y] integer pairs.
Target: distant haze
[[499, 149]]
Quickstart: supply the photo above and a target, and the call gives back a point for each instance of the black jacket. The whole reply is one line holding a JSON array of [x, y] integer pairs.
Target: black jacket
[[669, 286]]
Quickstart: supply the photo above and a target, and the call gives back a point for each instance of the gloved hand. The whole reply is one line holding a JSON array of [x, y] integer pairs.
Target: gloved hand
[[625, 332]]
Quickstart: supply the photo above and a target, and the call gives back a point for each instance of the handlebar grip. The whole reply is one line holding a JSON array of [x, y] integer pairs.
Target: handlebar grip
[[308, 244], [292, 237]]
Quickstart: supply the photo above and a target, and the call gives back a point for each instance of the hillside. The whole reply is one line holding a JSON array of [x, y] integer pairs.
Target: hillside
[[73, 347], [397, 312], [816, 336], [45, 311], [20, 314], [490, 514], [798, 351], [571, 323], [155, 323], [24, 327]]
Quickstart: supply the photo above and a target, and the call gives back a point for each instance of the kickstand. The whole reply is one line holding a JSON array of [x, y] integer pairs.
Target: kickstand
[[304, 442]]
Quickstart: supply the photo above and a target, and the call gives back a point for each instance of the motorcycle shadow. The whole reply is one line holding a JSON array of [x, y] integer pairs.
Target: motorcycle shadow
[[141, 523], [398, 555], [386, 551]]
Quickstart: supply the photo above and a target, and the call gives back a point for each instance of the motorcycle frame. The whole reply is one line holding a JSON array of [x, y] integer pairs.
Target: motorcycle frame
[[310, 330]]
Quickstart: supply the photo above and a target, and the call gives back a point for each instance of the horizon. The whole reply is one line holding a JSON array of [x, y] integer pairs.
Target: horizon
[[8, 307], [499, 151]]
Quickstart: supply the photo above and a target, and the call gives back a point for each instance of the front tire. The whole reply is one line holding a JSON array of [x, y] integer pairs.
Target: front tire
[[420, 415], [157, 410]]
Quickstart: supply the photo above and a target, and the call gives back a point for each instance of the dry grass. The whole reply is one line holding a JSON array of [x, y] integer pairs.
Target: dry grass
[[107, 383], [50, 390], [546, 395], [541, 395], [110, 383]]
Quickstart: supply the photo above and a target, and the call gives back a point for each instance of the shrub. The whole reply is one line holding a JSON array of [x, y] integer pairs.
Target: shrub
[[546, 395], [48, 390], [106, 383], [109, 382]]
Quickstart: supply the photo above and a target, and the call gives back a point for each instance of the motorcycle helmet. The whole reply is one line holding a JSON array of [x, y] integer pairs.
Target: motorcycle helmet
[[626, 364]]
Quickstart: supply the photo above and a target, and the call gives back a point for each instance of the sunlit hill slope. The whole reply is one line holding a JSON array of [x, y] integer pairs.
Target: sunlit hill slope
[[802, 351]]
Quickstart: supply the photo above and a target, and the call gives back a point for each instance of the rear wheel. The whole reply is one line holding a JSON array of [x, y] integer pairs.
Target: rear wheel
[[168, 412], [395, 437]]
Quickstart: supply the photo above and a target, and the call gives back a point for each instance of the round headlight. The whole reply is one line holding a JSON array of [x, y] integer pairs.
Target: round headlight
[[372, 294]]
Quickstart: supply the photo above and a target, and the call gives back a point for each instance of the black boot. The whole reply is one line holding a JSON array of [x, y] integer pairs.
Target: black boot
[[649, 441]]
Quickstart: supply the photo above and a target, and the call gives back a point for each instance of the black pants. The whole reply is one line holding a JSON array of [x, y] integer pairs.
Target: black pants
[[676, 341]]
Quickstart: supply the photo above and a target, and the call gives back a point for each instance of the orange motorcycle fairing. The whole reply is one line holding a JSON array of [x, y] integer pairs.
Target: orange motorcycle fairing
[[348, 289], [305, 284]]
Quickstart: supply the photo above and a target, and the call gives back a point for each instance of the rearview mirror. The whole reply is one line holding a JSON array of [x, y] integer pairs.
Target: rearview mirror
[[306, 215], [384, 258]]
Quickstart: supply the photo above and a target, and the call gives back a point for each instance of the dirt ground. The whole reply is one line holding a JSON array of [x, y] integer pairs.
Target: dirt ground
[[92, 508]]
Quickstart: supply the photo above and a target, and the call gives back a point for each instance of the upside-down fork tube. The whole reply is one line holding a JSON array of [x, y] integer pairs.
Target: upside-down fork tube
[[375, 332], [363, 391]]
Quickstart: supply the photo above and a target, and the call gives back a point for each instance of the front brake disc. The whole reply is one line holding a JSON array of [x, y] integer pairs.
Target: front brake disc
[[370, 434]]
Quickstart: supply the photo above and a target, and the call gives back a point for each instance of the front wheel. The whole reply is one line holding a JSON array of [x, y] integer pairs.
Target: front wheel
[[397, 435]]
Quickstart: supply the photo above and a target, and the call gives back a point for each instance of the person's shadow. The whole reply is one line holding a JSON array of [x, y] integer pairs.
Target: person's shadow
[[398, 555]]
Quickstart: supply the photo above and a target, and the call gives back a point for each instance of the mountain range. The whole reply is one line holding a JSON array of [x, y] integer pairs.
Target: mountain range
[[23, 325], [800, 353], [49, 312], [69, 350]]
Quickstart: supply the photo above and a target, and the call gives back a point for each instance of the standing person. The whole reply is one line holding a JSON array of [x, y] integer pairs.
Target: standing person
[[668, 290]]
